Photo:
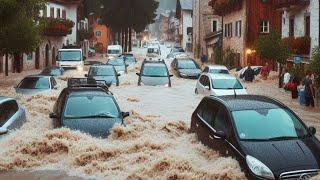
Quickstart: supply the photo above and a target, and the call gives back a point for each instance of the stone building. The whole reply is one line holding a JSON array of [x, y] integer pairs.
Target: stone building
[[206, 27], [54, 38]]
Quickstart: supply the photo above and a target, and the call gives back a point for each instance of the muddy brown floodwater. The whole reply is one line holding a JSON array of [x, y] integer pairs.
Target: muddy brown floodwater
[[154, 144]]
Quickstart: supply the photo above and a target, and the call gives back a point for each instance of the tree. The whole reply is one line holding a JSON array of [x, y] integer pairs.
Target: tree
[[272, 47], [21, 33], [314, 66]]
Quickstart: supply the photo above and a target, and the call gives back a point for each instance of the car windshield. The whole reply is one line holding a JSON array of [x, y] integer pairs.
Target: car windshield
[[101, 71], [187, 64], [84, 106], [116, 62], [113, 51], [35, 83], [226, 84], [70, 56], [219, 71], [267, 124], [155, 71]]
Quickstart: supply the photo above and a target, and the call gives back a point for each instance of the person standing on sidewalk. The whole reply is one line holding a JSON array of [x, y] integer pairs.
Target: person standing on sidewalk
[[309, 91]]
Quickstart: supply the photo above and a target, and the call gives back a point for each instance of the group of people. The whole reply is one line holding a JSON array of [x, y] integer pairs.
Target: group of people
[[249, 74], [304, 88]]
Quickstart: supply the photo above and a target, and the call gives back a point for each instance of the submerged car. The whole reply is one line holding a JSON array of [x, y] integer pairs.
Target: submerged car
[[267, 138], [129, 58], [105, 73], [256, 69], [12, 115], [185, 67], [119, 64], [52, 71], [216, 69], [87, 106], [154, 73], [36, 84], [219, 85]]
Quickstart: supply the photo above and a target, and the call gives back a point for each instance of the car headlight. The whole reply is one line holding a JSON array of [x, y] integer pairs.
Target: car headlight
[[258, 168], [183, 74]]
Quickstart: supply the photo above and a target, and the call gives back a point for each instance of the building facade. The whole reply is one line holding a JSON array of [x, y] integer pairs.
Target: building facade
[[184, 15], [206, 25], [243, 22], [63, 11], [300, 22]]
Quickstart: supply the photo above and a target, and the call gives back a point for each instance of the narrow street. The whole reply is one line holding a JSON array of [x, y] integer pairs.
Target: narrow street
[[155, 143]]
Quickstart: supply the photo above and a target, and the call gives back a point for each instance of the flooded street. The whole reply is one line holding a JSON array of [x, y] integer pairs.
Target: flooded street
[[154, 144]]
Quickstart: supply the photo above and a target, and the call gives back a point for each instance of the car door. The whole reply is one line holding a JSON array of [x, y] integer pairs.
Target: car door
[[220, 122], [58, 107]]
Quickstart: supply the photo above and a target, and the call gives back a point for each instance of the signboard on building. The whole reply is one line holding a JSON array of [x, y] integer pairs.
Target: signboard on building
[[297, 59]]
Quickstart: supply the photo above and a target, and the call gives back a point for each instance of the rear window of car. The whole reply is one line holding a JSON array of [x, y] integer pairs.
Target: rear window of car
[[226, 84], [35, 83], [101, 71]]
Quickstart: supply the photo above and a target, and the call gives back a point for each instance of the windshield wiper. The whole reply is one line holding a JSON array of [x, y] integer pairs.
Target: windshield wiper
[[101, 115], [283, 138]]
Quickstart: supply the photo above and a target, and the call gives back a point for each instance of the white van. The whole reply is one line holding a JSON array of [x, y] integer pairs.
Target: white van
[[153, 53], [114, 50], [70, 58]]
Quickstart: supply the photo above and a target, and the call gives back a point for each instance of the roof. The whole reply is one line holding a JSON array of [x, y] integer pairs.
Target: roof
[[70, 49], [249, 102], [186, 4], [217, 67]]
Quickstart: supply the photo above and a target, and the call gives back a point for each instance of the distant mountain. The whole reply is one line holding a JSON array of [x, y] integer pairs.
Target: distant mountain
[[167, 4]]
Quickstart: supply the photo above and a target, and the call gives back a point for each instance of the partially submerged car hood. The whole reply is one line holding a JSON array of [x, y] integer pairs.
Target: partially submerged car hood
[[97, 127], [154, 81], [283, 156]]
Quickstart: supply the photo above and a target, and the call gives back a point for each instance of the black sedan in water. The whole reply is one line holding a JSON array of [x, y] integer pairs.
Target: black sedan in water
[[267, 138], [154, 73], [87, 106], [186, 68], [106, 73]]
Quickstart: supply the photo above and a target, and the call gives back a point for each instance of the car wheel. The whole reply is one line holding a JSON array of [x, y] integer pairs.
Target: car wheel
[[196, 91]]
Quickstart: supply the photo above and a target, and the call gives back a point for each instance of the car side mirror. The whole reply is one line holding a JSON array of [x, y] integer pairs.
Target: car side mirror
[[171, 75], [86, 75], [138, 74], [220, 134], [312, 130], [119, 74], [3, 131], [53, 115], [125, 114], [207, 87]]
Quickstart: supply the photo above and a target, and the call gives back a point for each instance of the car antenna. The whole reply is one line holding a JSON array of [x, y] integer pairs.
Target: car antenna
[[235, 94]]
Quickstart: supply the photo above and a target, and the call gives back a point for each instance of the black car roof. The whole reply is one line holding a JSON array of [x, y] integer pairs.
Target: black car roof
[[249, 102]]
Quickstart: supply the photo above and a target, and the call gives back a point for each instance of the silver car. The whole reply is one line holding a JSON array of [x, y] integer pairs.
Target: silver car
[[219, 85], [12, 115], [36, 84], [119, 64], [105, 73]]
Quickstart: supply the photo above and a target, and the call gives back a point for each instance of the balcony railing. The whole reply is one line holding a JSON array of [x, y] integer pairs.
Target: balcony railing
[[280, 4], [56, 27]]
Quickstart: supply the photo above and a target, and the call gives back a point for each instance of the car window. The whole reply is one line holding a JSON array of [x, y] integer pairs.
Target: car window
[[210, 112], [78, 106], [101, 71], [226, 84], [7, 110], [206, 81], [263, 124], [53, 82], [202, 80], [35, 83], [187, 64], [202, 107], [69, 55], [155, 71], [116, 62], [221, 121], [206, 69]]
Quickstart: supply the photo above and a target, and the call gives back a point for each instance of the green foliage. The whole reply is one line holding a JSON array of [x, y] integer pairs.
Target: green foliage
[[314, 66], [229, 57], [85, 34], [271, 47], [297, 71]]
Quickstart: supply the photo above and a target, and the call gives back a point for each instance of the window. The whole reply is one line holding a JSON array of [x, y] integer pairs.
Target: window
[[214, 26], [58, 13], [307, 26], [7, 110], [52, 12], [209, 113], [228, 30], [98, 33], [45, 13], [238, 29], [220, 121], [64, 14], [264, 26], [291, 27]]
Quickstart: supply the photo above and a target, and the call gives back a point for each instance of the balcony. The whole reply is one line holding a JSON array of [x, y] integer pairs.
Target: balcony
[[289, 4], [56, 27]]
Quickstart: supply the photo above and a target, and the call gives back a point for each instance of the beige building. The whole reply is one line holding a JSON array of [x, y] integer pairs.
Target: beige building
[[206, 28]]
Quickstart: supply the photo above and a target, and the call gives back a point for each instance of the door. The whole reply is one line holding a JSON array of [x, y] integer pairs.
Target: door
[[220, 122], [54, 58]]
